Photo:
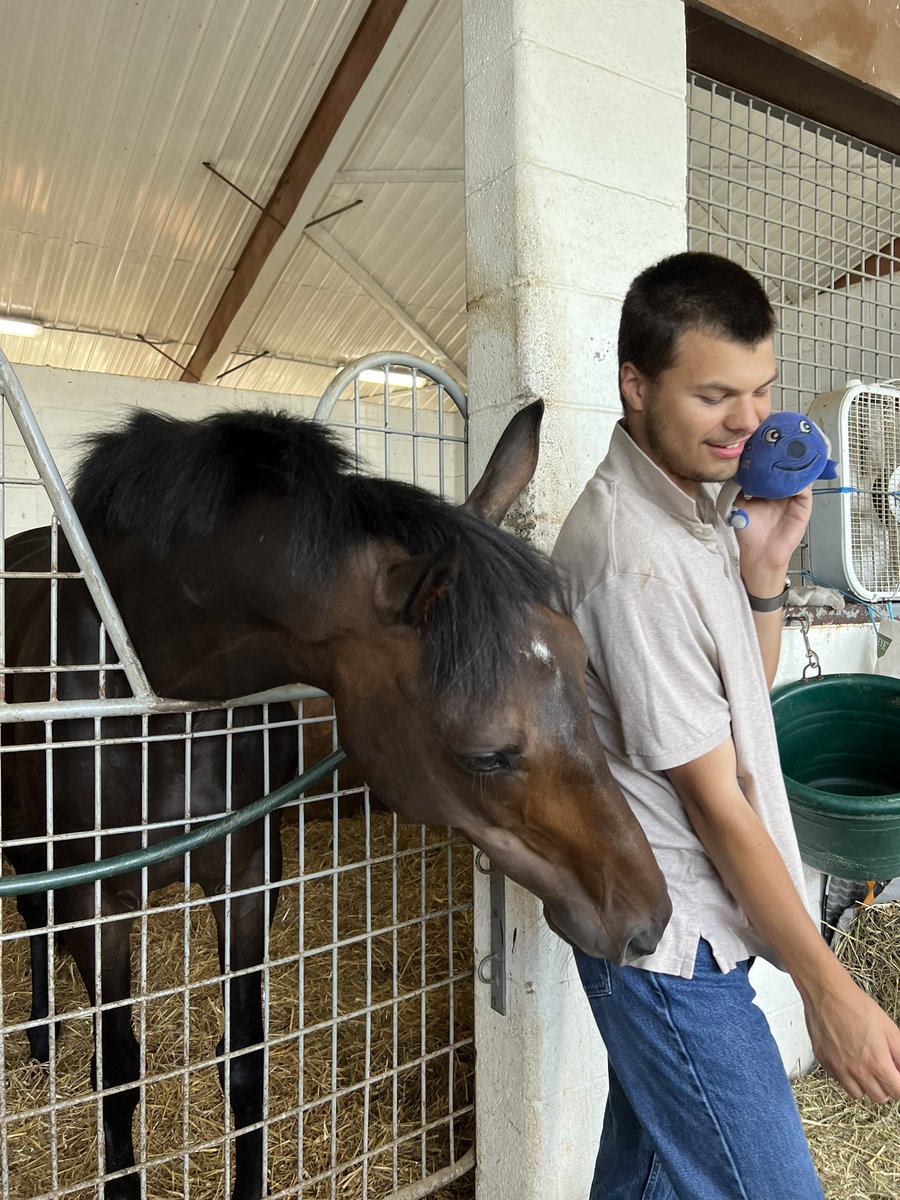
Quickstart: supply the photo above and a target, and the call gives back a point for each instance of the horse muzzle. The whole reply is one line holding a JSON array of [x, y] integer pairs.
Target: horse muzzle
[[624, 945]]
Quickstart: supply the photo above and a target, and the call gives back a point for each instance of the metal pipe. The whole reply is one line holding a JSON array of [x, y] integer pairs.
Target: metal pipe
[[72, 527], [421, 1188], [63, 710], [121, 864], [375, 362]]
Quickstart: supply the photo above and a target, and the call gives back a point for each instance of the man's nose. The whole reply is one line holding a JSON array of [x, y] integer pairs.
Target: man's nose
[[743, 416]]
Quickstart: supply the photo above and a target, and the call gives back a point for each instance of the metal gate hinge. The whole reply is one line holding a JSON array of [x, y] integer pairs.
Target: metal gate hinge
[[492, 968]]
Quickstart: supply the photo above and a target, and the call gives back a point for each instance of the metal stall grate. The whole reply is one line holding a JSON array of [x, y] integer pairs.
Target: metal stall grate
[[816, 216], [367, 968], [813, 213]]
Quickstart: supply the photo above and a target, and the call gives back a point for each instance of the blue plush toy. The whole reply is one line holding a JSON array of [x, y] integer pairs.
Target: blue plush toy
[[787, 452]]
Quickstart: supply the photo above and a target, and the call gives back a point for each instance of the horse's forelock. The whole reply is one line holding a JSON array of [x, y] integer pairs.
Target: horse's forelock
[[478, 629]]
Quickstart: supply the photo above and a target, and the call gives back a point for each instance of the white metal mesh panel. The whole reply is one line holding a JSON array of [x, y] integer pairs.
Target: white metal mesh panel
[[403, 425], [366, 966], [816, 216], [367, 1025]]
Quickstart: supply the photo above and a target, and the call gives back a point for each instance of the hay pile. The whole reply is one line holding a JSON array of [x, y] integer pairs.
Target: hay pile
[[856, 1145], [310, 1155]]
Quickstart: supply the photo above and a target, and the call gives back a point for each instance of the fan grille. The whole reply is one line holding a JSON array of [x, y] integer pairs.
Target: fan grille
[[873, 451]]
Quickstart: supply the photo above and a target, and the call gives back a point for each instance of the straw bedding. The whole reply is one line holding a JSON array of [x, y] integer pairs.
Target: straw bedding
[[301, 1151], [856, 1145]]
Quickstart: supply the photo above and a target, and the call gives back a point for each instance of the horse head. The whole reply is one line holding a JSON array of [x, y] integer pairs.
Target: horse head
[[247, 551], [503, 749]]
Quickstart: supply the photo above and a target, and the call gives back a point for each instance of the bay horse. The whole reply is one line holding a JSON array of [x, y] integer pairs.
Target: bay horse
[[246, 552]]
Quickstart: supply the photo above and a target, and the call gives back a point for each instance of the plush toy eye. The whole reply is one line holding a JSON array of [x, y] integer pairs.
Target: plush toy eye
[[805, 427], [772, 435]]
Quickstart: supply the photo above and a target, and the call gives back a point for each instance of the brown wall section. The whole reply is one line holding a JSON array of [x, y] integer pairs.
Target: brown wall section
[[860, 38], [838, 63]]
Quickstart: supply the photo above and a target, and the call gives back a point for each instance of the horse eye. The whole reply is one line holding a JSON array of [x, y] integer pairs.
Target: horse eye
[[772, 435], [805, 427], [490, 764]]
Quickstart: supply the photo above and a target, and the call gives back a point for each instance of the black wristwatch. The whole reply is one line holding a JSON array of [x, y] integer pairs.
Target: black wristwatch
[[772, 604]]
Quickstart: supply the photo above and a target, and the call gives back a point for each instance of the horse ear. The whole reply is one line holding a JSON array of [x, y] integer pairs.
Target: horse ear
[[406, 591], [511, 466]]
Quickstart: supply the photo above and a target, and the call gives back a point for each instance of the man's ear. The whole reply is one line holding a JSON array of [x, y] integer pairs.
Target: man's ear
[[633, 386]]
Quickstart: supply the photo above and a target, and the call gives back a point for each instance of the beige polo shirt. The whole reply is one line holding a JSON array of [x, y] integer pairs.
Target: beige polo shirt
[[652, 580]]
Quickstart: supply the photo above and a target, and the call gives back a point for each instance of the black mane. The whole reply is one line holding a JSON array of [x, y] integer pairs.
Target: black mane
[[171, 480]]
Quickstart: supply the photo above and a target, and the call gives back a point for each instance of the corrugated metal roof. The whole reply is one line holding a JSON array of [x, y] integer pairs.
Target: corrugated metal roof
[[108, 219], [408, 235], [110, 224]]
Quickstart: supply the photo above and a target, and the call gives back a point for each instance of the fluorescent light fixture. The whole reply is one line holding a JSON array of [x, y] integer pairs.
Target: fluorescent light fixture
[[20, 326], [398, 378]]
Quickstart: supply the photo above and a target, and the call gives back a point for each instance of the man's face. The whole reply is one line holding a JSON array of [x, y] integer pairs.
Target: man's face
[[694, 419]]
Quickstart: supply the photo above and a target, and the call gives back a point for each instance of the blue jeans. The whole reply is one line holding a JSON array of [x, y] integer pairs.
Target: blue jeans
[[699, 1104]]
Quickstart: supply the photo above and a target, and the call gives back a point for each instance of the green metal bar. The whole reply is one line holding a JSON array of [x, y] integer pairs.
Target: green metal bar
[[121, 864]]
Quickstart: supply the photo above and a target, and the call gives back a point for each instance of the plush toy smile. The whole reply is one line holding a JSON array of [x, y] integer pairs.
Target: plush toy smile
[[785, 454], [798, 467]]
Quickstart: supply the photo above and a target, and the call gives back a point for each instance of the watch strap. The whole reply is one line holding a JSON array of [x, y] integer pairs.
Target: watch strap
[[773, 603]]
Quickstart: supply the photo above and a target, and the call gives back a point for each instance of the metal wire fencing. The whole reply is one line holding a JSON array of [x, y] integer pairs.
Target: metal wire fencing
[[815, 215], [365, 970]]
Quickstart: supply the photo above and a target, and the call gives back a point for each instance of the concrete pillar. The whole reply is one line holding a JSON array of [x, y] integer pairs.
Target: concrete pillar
[[575, 180]]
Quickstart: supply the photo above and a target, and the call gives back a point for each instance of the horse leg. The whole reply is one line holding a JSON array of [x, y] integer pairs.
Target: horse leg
[[114, 1036], [242, 1082], [33, 911]]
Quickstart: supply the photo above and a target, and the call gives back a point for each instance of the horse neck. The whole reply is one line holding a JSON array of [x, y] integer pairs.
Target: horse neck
[[226, 615]]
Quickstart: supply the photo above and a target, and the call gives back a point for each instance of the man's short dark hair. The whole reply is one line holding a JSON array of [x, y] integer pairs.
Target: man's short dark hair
[[690, 291]]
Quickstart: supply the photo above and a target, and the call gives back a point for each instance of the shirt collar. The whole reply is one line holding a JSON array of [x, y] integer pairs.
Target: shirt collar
[[628, 462]]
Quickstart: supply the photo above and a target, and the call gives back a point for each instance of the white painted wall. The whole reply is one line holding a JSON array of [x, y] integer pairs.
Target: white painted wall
[[839, 647], [575, 179]]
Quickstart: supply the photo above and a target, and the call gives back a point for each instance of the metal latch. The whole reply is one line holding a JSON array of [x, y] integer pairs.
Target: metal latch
[[813, 668]]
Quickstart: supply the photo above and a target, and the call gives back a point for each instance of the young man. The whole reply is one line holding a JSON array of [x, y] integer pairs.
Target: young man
[[682, 620]]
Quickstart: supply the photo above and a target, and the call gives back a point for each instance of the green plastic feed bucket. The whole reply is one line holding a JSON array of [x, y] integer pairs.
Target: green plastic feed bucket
[[839, 741]]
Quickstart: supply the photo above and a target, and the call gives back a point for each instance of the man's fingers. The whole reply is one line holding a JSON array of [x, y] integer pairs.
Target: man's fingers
[[879, 1082]]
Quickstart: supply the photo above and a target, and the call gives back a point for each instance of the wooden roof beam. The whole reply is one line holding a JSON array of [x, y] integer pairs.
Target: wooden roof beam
[[384, 35]]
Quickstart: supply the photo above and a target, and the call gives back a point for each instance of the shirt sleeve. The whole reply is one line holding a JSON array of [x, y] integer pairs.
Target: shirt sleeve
[[653, 675]]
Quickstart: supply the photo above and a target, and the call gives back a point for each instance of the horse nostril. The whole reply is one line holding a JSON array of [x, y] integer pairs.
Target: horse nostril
[[642, 940], [796, 449]]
